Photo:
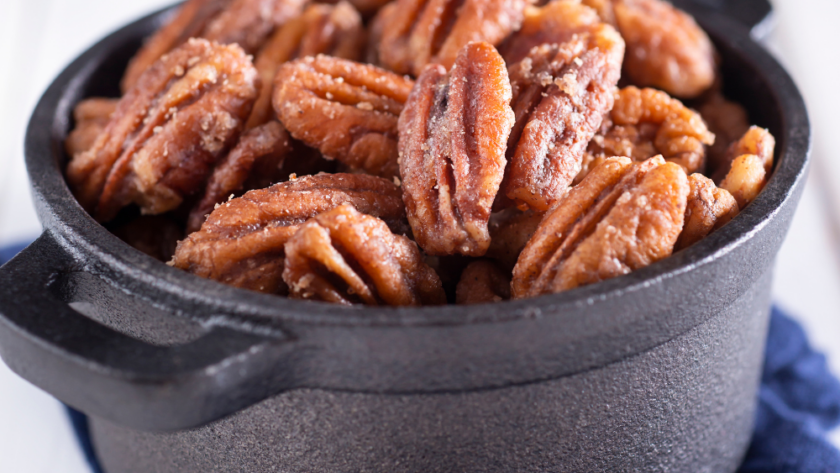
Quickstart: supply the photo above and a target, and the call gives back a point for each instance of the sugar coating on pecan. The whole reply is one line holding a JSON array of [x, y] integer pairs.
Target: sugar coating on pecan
[[757, 141], [666, 48], [421, 32], [346, 109], [708, 209], [560, 95], [244, 22], [242, 242], [258, 156], [334, 30], [728, 121], [647, 122], [620, 218], [510, 231], [748, 163], [168, 131], [346, 257], [91, 116], [482, 282], [554, 23], [453, 132]]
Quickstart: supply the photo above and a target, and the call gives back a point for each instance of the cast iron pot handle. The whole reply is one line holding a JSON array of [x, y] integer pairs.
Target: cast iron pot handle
[[107, 374], [755, 14]]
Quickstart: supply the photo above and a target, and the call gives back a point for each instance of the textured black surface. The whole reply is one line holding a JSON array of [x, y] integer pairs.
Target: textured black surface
[[133, 342]]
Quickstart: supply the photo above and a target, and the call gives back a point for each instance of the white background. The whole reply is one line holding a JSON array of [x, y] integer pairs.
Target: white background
[[39, 37]]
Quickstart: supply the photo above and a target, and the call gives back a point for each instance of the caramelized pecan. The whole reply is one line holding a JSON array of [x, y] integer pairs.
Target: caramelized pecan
[[258, 155], [621, 217], [421, 32], [708, 209], [242, 241], [346, 257], [749, 161], [345, 109], [322, 29], [482, 282], [91, 116], [453, 132], [560, 95], [244, 22], [510, 231], [167, 132], [647, 122]]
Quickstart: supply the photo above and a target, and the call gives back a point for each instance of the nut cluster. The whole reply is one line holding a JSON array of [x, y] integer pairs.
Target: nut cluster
[[417, 152]]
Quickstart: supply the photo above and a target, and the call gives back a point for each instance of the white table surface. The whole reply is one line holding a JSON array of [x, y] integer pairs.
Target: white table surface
[[39, 37]]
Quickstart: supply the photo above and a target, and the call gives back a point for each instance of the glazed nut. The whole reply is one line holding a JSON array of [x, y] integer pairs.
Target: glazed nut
[[751, 159], [421, 32], [560, 95], [453, 132], [620, 218], [347, 110], [708, 209], [345, 257], [91, 116], [482, 282], [168, 131], [242, 242], [510, 231]]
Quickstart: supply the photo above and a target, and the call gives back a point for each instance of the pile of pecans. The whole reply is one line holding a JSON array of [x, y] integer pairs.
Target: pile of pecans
[[417, 152]]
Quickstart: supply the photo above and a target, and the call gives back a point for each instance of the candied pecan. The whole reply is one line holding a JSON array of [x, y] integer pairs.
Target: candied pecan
[[745, 179], [757, 141], [421, 32], [665, 46], [155, 235], [241, 243], [560, 95], [168, 131], [621, 217], [510, 231], [708, 209], [260, 151], [647, 122], [554, 23], [244, 22], [347, 110], [482, 281], [727, 121], [375, 30], [346, 257], [91, 116], [453, 132], [321, 29], [368, 8]]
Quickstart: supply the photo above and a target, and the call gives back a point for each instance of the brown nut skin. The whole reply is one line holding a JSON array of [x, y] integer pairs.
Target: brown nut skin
[[482, 282], [334, 30], [621, 217], [421, 32], [453, 132], [647, 122], [666, 49], [168, 131], [244, 22], [258, 156], [242, 241], [560, 96], [91, 116], [708, 209], [346, 257], [345, 109]]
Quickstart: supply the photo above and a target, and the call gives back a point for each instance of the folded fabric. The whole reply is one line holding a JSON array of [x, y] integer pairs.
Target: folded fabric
[[798, 403]]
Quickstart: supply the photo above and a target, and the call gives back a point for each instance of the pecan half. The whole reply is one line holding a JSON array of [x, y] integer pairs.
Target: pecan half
[[666, 48], [347, 110], [453, 132], [560, 95], [481, 282], [346, 257], [91, 116], [647, 122], [708, 209], [510, 231], [244, 22], [747, 165], [421, 32], [168, 131], [621, 217], [259, 156], [757, 141], [242, 241], [321, 29]]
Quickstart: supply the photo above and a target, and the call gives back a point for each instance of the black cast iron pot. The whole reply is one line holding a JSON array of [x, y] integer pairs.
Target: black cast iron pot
[[653, 371]]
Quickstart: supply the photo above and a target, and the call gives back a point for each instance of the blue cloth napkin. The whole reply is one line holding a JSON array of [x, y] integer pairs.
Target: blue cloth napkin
[[799, 401]]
